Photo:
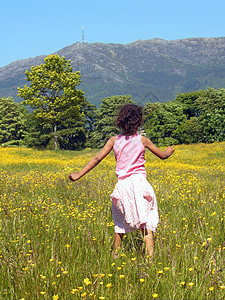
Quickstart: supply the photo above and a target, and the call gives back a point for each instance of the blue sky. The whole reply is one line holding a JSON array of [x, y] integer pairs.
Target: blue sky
[[30, 28]]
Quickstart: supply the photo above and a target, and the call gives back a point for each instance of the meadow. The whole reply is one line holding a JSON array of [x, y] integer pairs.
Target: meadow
[[56, 236]]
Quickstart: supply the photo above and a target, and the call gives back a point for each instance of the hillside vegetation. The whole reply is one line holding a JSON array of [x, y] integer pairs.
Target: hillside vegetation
[[148, 70]]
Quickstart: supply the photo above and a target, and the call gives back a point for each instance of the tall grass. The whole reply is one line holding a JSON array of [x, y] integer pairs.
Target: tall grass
[[56, 236]]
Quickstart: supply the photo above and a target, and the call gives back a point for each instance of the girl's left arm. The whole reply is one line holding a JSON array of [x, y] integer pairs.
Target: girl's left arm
[[94, 161]]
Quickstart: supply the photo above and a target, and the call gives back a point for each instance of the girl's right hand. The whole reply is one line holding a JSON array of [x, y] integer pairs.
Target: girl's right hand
[[170, 150]]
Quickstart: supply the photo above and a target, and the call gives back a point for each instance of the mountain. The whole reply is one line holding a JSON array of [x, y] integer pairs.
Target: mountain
[[148, 70]]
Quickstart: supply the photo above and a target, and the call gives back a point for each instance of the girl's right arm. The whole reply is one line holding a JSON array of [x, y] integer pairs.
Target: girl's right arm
[[155, 150]]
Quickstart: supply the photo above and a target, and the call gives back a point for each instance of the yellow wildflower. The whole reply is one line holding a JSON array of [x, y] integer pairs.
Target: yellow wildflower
[[155, 295], [42, 293]]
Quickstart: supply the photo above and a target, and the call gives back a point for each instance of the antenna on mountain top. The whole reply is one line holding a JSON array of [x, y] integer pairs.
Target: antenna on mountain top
[[83, 40]]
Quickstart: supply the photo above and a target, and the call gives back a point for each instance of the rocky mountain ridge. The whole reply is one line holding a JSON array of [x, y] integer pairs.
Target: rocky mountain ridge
[[148, 70]]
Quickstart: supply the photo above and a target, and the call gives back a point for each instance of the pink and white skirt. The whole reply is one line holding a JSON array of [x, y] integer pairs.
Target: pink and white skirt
[[134, 205]]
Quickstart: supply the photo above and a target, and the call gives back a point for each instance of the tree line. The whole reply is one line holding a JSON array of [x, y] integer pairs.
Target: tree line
[[56, 114]]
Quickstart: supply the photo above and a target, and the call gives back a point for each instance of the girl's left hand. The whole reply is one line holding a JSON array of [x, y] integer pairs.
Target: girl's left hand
[[74, 176]]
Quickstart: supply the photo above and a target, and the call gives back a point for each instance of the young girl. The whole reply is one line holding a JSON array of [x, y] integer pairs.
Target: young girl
[[133, 199]]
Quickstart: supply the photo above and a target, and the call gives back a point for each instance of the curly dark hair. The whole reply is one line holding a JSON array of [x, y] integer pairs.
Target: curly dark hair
[[129, 118]]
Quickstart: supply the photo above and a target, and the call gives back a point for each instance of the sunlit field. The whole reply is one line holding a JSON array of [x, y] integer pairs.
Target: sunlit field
[[56, 236]]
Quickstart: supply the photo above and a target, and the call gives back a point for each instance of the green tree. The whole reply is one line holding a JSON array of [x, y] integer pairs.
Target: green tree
[[190, 131], [73, 133], [211, 106], [189, 103], [105, 119], [12, 122], [162, 122], [149, 109], [53, 93]]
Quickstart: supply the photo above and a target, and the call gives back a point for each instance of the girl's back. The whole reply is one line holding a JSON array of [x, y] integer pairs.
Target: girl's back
[[130, 155]]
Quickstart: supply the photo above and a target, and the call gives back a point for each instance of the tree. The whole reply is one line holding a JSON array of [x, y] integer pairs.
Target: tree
[[73, 134], [189, 103], [149, 109], [52, 92], [190, 131], [211, 106], [105, 119], [162, 122], [12, 122]]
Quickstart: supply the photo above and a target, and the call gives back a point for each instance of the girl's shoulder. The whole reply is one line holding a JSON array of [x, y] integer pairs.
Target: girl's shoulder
[[145, 141], [112, 140]]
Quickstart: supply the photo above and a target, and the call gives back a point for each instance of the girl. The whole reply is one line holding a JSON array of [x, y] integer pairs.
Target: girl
[[133, 199]]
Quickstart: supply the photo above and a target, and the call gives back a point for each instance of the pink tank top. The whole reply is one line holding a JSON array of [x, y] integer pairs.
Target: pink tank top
[[130, 155]]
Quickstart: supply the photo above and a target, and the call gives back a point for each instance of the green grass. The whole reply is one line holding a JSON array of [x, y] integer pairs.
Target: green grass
[[55, 234]]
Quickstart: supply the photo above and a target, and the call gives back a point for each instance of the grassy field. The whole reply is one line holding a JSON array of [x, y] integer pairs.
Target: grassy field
[[56, 236]]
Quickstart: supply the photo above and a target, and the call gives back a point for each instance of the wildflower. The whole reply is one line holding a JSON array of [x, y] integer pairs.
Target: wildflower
[[118, 268], [122, 276], [166, 268], [42, 293], [222, 287], [142, 280], [155, 295], [133, 258], [110, 275], [67, 246], [211, 288], [182, 283], [160, 271], [213, 214], [190, 269], [55, 297], [209, 239], [84, 294], [65, 272], [190, 284], [109, 285], [87, 281], [101, 298]]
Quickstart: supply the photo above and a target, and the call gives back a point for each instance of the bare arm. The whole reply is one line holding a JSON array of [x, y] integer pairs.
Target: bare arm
[[94, 161], [161, 154]]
